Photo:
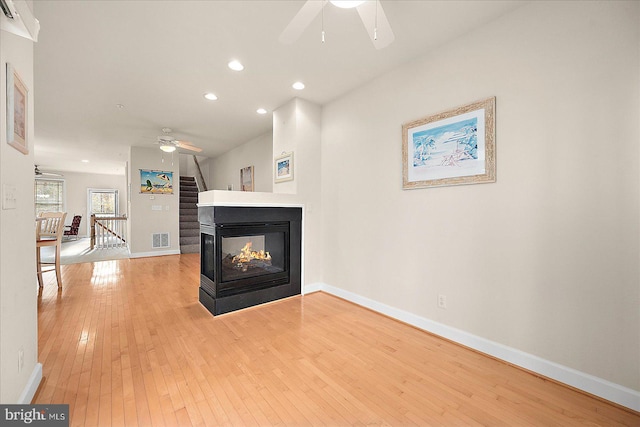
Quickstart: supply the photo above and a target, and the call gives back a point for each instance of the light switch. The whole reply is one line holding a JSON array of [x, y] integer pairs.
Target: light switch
[[9, 194], [156, 207]]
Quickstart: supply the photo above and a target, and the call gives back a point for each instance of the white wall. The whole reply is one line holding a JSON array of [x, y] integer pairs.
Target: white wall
[[285, 140], [545, 260], [76, 186], [188, 167], [258, 152], [18, 286], [143, 220]]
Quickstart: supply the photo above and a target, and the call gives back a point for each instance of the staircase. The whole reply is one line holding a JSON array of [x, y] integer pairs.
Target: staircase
[[189, 225]]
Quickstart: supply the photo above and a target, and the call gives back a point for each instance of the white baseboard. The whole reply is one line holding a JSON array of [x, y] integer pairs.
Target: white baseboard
[[32, 385], [154, 253], [312, 287], [596, 386]]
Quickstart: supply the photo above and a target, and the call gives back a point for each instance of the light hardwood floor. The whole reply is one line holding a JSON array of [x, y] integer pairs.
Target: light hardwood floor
[[126, 343]]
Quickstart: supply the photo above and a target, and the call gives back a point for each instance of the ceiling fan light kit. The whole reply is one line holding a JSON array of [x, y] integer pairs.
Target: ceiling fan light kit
[[346, 4], [371, 14], [168, 148]]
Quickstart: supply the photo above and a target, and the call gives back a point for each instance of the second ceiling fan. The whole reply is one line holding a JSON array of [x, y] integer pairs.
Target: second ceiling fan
[[370, 11], [169, 143]]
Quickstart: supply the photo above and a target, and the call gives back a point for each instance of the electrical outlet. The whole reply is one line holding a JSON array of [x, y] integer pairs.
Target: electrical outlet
[[20, 359], [442, 301]]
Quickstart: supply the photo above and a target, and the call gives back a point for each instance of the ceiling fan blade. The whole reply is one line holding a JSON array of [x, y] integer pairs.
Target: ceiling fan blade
[[301, 21], [38, 172], [382, 34], [187, 146]]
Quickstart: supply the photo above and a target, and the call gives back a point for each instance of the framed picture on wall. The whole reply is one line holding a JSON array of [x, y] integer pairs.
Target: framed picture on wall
[[246, 178], [17, 108], [283, 167], [450, 148], [156, 182]]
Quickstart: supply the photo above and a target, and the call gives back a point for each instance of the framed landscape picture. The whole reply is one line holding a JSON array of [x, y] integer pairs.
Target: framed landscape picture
[[17, 108], [450, 148], [283, 167]]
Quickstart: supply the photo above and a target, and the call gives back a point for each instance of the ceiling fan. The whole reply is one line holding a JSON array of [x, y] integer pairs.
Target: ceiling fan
[[38, 173], [370, 11], [169, 144]]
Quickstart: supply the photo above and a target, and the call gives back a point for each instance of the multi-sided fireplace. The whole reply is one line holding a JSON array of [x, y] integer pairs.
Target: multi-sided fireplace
[[248, 255]]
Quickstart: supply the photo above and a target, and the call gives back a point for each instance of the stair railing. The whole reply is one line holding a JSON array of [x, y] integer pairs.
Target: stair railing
[[200, 182], [108, 232]]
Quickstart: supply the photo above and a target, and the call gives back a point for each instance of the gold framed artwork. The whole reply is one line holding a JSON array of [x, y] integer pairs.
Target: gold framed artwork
[[17, 108], [246, 178], [453, 147], [283, 167]]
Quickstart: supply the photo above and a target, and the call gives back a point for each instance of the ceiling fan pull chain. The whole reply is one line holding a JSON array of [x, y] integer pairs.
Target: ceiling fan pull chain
[[375, 27], [322, 24]]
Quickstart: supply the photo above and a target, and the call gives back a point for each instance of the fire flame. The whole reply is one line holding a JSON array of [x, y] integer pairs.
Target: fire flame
[[246, 254]]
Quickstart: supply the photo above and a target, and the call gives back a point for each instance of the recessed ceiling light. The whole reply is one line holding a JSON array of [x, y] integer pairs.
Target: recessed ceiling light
[[261, 111], [298, 85], [236, 65], [210, 96], [84, 161]]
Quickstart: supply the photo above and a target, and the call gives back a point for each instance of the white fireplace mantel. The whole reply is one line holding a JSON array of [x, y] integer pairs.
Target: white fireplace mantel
[[247, 198]]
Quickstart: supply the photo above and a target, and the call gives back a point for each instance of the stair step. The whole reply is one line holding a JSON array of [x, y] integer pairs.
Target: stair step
[[190, 205], [187, 178], [189, 232], [190, 240], [184, 225], [188, 187], [188, 199], [189, 218], [189, 249]]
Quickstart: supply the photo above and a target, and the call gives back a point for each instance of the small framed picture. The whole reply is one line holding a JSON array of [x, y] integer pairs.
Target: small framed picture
[[283, 167], [17, 108], [246, 178]]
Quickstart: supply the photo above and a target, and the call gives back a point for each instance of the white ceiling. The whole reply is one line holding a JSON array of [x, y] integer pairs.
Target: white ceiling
[[158, 58]]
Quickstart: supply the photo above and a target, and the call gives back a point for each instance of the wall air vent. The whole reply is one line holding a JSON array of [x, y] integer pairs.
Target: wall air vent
[[160, 240]]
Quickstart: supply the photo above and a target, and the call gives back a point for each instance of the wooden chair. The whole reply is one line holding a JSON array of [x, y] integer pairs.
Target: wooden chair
[[72, 230], [49, 231]]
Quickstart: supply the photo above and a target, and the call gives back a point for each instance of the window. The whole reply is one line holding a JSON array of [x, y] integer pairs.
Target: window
[[49, 195], [103, 202]]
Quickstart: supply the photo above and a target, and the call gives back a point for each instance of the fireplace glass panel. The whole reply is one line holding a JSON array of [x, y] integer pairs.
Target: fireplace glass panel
[[252, 255], [207, 255]]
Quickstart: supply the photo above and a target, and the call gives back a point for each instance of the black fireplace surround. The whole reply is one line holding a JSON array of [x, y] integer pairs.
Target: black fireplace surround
[[248, 255]]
